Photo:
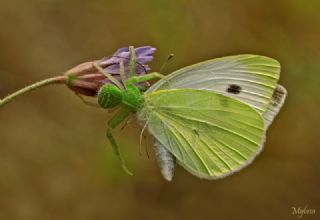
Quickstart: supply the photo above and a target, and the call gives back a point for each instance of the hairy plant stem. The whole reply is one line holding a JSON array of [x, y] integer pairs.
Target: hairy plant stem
[[27, 89]]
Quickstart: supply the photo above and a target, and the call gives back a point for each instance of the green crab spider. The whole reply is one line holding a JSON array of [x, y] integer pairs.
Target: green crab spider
[[128, 96]]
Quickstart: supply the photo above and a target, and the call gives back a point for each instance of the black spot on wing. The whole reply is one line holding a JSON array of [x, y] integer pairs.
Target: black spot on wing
[[234, 89]]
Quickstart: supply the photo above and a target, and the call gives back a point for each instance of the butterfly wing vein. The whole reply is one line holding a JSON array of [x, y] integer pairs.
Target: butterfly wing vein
[[212, 136]]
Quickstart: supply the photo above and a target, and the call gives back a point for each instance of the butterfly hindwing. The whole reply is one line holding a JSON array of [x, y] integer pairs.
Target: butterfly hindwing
[[210, 134]]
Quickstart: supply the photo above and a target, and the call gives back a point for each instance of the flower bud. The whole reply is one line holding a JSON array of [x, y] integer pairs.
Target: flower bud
[[86, 80]]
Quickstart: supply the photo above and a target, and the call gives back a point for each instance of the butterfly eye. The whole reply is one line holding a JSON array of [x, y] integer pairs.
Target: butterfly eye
[[234, 89]]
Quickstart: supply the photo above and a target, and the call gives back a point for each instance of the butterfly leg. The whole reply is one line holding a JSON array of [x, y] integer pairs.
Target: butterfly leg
[[113, 123]]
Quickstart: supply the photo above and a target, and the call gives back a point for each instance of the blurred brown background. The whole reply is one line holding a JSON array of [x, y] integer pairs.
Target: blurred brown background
[[55, 162]]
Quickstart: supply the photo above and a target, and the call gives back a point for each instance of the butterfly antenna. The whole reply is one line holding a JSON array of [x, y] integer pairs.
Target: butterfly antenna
[[145, 141], [166, 62], [141, 134], [164, 65]]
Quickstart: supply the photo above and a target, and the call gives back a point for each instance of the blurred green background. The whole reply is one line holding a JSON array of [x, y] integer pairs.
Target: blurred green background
[[55, 162]]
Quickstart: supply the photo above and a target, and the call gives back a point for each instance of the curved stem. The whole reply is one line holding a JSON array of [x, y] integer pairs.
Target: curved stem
[[27, 89]]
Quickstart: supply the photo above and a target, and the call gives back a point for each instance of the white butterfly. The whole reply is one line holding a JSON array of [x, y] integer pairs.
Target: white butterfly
[[252, 79]]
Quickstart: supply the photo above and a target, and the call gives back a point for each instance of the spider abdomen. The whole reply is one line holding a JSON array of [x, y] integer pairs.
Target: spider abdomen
[[109, 96]]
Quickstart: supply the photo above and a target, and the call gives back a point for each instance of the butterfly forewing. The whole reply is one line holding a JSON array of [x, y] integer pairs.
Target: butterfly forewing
[[249, 78], [210, 134], [277, 101]]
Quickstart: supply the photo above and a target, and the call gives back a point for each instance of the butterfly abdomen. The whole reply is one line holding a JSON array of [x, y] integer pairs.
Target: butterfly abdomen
[[166, 161]]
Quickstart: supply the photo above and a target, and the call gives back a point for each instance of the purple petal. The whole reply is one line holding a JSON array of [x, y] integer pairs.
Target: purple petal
[[143, 55], [144, 59], [145, 51], [120, 50], [123, 55], [112, 64], [113, 69], [142, 69], [114, 59]]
